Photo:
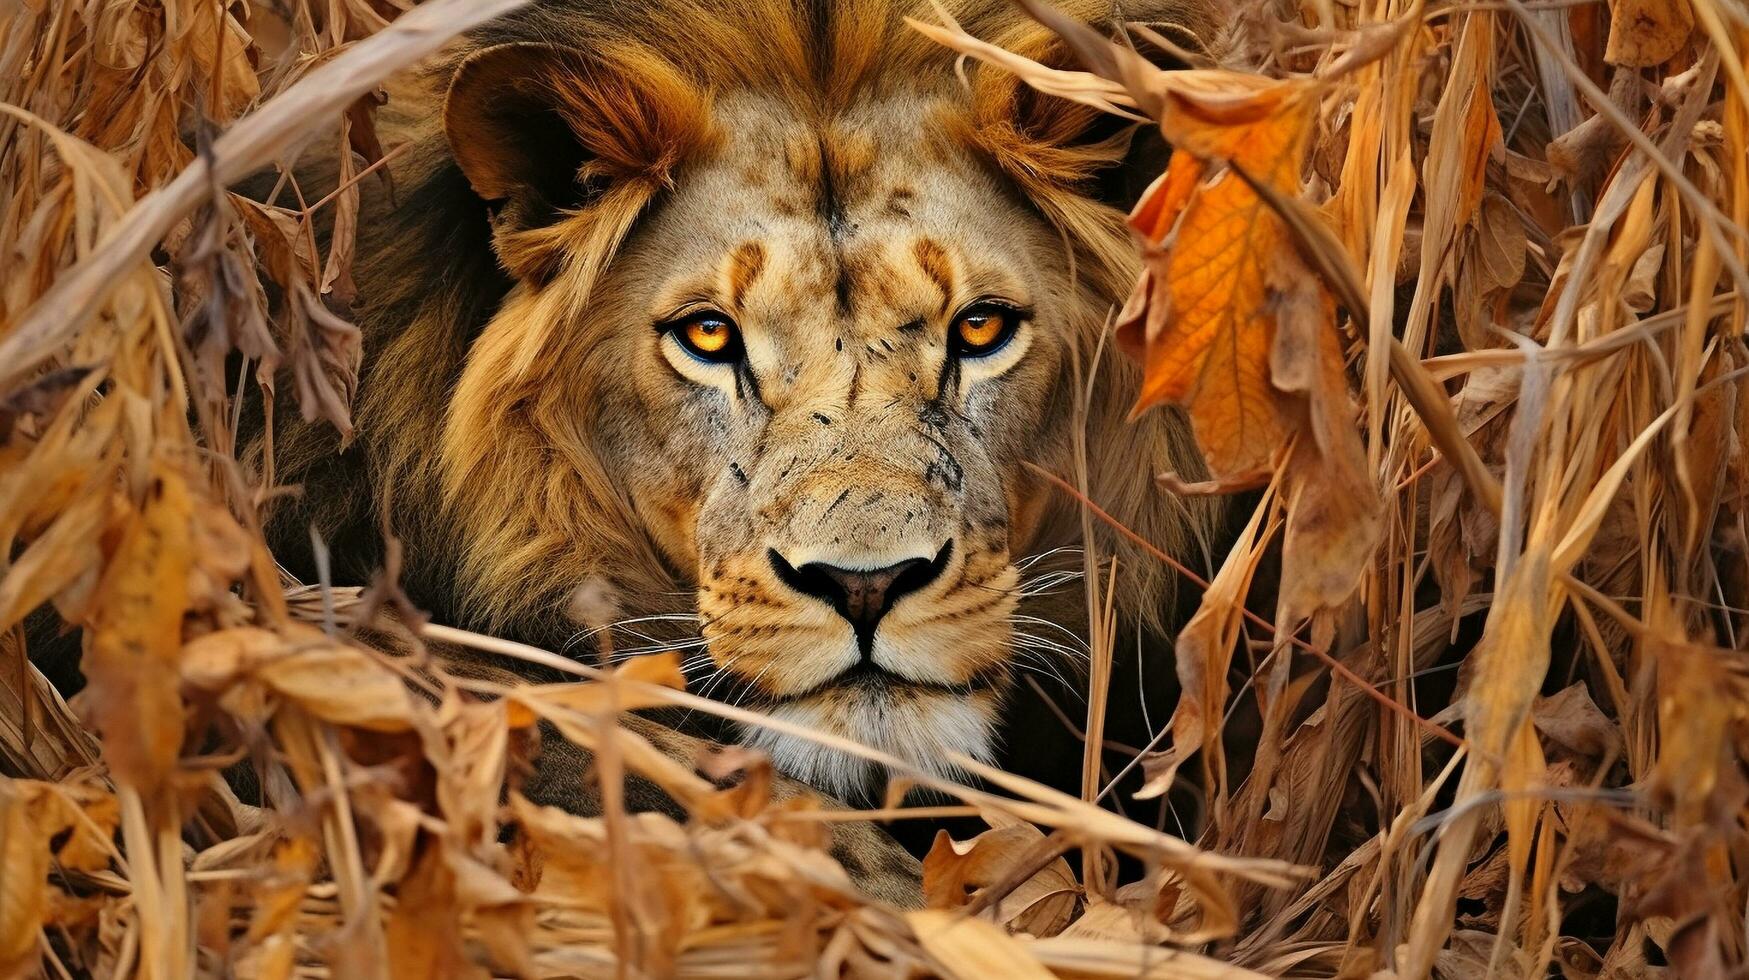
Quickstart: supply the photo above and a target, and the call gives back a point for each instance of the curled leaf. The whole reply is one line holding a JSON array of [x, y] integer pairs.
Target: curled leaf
[[955, 871]]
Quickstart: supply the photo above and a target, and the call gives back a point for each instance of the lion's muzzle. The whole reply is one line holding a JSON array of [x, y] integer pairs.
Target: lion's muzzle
[[862, 597]]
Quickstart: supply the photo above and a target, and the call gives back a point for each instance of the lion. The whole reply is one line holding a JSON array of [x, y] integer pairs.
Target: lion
[[736, 326]]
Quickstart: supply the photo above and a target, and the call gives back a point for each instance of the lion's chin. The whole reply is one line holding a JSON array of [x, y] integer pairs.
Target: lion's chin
[[920, 726]]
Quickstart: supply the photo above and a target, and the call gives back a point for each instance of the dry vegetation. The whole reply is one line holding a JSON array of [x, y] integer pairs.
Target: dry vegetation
[[1460, 285]]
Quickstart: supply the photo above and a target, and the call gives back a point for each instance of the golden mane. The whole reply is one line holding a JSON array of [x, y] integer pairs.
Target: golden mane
[[472, 444]]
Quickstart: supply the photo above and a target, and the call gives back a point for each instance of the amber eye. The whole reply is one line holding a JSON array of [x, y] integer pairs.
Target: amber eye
[[985, 328], [709, 337]]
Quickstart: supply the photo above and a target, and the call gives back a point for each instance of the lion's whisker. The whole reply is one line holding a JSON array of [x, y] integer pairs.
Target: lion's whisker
[[752, 686], [1039, 575], [1021, 618], [721, 674], [1049, 584], [655, 648], [624, 624], [710, 681], [1032, 641], [1028, 641], [1043, 669], [1030, 560]]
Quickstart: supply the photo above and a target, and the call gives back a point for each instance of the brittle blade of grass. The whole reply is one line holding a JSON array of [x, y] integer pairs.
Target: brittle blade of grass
[[1040, 804], [1444, 367], [1716, 223], [270, 131]]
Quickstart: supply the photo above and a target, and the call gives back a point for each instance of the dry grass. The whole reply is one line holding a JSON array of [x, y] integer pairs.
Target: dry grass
[[1502, 696]]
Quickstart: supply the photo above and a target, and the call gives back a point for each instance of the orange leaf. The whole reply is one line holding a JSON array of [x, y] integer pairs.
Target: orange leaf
[[1231, 323], [131, 667], [1481, 141], [424, 931], [1226, 116], [43, 825], [24, 868], [1205, 315]]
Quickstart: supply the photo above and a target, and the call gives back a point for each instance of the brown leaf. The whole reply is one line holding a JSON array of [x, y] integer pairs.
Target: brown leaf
[[424, 933], [1647, 33], [131, 663], [593, 697], [1500, 243], [24, 869], [1135, 916], [670, 897], [1509, 664], [278, 891], [285, 250], [1697, 775], [1204, 653], [220, 48], [1571, 719], [44, 825], [337, 283], [955, 871], [1334, 512], [1468, 955], [325, 353], [328, 679]]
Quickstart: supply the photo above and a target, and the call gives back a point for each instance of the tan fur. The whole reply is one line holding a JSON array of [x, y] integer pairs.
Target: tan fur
[[836, 190]]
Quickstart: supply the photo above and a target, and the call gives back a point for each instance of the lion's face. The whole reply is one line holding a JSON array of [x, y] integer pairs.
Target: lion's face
[[788, 348], [839, 344]]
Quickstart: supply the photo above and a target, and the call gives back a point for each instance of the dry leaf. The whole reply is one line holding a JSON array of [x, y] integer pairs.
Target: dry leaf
[[1571, 719], [1204, 653], [1204, 318], [972, 948], [44, 826], [326, 678], [424, 931], [131, 664], [591, 697], [956, 871], [1698, 704], [1510, 663], [1230, 322], [220, 47], [1647, 33], [24, 869]]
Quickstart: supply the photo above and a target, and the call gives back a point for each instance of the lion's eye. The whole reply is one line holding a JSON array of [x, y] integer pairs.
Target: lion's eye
[[709, 337], [985, 328]]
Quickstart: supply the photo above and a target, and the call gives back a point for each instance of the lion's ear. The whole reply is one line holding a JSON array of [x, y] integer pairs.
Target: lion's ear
[[550, 131]]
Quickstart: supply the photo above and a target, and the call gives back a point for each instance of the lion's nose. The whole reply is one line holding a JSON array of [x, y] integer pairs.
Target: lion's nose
[[862, 596]]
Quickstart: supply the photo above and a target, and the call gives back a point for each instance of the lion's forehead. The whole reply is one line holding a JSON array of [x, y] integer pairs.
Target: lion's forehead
[[874, 158]]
